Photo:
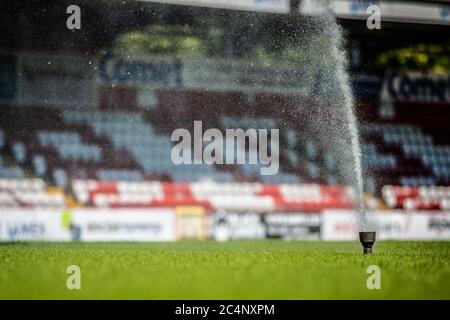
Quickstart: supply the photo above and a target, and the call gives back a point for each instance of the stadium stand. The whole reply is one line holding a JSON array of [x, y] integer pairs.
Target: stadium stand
[[38, 139], [30, 193], [417, 198], [152, 151], [110, 149], [214, 196]]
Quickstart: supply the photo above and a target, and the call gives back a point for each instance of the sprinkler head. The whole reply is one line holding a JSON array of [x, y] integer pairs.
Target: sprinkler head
[[367, 239]]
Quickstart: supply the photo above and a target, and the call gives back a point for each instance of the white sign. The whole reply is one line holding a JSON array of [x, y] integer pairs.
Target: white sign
[[125, 224], [276, 6], [88, 225], [140, 71], [392, 225], [418, 87], [29, 224], [397, 11], [296, 226], [236, 226]]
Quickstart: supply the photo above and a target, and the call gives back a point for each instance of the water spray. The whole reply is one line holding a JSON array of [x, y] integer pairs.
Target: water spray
[[335, 36]]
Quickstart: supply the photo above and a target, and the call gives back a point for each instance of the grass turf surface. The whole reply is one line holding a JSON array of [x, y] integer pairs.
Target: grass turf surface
[[231, 270]]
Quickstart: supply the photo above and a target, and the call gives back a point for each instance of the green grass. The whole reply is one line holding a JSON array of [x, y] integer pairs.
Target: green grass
[[231, 270]]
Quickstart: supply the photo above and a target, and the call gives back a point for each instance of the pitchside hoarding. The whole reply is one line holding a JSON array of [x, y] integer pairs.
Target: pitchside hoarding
[[88, 225], [292, 226], [30, 224], [124, 224], [161, 225], [237, 226], [259, 225], [391, 225]]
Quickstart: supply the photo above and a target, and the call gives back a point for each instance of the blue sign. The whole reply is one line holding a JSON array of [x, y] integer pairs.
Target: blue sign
[[34, 230], [120, 70], [422, 88], [357, 6], [445, 11]]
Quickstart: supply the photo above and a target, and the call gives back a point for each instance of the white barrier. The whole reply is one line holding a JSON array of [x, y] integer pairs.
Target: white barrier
[[237, 226], [88, 225], [258, 225], [392, 225], [125, 224], [161, 225], [29, 224]]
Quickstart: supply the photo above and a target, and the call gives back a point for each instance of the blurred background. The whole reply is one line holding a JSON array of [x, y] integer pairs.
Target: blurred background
[[87, 111]]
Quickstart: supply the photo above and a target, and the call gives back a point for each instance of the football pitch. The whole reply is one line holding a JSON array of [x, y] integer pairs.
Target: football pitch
[[229, 270]]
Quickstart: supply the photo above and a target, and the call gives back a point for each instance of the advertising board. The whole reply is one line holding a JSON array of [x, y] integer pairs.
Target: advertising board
[[392, 225]]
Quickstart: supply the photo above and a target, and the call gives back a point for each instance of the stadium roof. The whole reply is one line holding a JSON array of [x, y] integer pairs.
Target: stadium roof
[[276, 6], [428, 12], [31, 24]]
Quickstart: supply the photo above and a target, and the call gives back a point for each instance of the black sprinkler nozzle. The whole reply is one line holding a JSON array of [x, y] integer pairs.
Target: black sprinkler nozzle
[[367, 239]]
